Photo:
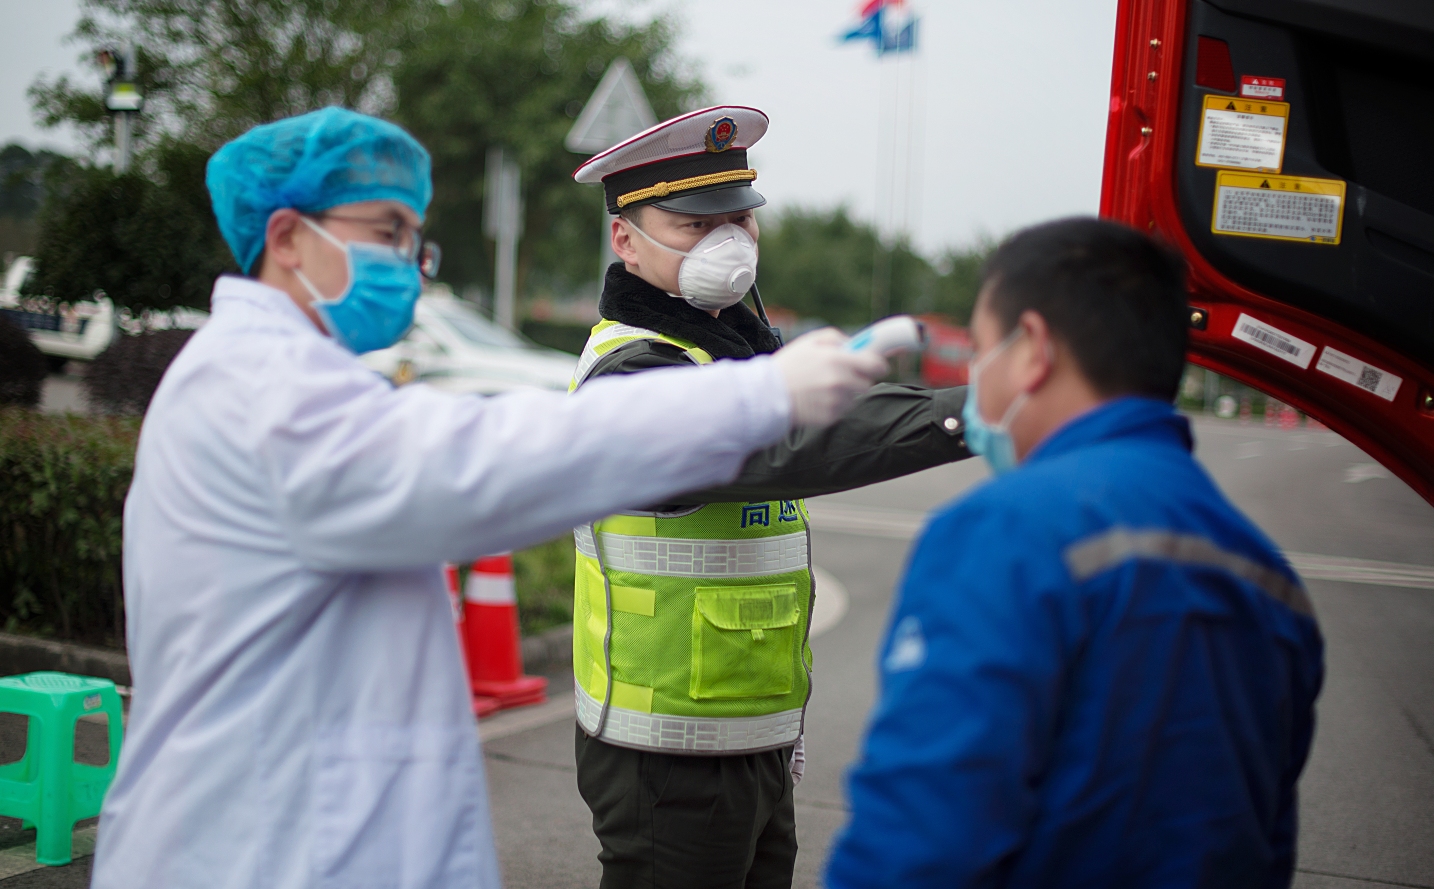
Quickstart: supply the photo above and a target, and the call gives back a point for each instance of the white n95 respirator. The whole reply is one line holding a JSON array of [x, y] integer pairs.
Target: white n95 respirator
[[718, 271]]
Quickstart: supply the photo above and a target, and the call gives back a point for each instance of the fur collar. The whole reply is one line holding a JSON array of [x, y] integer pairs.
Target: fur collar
[[736, 333]]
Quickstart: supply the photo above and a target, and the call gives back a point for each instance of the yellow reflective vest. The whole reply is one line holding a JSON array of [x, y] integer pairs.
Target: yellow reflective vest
[[690, 627]]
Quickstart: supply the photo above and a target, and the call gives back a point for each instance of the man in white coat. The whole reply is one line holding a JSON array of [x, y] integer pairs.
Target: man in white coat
[[300, 716]]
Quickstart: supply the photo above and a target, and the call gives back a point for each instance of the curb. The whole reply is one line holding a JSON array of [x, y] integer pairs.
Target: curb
[[549, 650], [26, 654]]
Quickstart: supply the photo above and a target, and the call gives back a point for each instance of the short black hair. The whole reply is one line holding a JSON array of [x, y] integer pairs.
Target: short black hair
[[1112, 295], [633, 214]]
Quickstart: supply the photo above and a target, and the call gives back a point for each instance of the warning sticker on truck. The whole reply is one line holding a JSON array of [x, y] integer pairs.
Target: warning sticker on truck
[[1273, 340], [1359, 373], [1262, 87], [1285, 208], [1248, 134]]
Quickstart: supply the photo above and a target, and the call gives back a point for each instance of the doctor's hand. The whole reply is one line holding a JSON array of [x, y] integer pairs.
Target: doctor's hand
[[823, 378]]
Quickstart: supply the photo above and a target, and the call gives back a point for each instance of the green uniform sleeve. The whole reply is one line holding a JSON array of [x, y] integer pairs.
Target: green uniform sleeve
[[891, 431]]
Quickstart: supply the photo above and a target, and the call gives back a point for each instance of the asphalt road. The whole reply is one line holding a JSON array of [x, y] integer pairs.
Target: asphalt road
[[1367, 796], [1362, 539]]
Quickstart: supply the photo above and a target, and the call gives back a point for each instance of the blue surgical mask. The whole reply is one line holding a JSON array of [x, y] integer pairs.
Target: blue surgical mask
[[991, 440], [376, 309]]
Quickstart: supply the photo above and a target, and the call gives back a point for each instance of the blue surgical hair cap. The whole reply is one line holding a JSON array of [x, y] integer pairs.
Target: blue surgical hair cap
[[310, 163]]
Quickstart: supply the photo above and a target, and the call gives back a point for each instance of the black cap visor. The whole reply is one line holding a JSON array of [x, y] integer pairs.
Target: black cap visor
[[710, 201]]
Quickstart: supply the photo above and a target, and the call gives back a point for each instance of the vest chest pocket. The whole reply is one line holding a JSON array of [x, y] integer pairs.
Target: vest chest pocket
[[743, 639]]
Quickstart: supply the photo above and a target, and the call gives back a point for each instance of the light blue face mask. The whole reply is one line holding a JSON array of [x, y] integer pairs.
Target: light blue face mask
[[992, 440], [376, 309]]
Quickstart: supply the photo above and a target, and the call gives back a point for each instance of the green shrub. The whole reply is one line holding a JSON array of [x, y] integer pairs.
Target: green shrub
[[22, 366], [122, 378], [544, 577], [146, 244], [63, 481], [558, 335], [62, 487]]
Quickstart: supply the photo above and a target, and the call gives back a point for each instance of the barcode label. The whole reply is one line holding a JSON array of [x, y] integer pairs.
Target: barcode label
[[1359, 373], [1273, 340]]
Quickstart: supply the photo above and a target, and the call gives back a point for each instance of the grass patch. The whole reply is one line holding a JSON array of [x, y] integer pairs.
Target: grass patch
[[544, 576]]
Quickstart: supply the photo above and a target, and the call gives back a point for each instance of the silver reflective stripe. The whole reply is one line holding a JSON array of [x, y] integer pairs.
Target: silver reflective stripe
[[583, 540], [688, 734], [590, 354], [1094, 555], [675, 557]]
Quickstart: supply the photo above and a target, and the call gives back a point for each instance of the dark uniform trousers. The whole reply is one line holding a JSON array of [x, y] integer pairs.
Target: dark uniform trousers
[[669, 821]]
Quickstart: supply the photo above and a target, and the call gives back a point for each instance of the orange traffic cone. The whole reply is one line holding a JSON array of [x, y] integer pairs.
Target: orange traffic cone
[[490, 627], [482, 706]]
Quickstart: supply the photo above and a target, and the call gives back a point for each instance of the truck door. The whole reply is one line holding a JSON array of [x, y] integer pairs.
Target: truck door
[[1286, 148]]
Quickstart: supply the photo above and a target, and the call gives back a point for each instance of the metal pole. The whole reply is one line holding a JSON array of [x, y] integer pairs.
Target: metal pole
[[122, 141], [502, 221], [505, 282]]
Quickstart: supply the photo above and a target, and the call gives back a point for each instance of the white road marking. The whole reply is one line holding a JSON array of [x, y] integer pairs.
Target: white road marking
[[1368, 571], [869, 521], [895, 524], [1246, 450], [1363, 472], [831, 602]]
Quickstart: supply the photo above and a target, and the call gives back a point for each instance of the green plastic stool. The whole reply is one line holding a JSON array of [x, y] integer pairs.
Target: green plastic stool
[[47, 788]]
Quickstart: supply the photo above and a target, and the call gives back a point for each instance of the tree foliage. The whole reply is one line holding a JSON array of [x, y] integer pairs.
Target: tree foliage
[[462, 75], [148, 243], [23, 175], [516, 73], [824, 264], [211, 69]]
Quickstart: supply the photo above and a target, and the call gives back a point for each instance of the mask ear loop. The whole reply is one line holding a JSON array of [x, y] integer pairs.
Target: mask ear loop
[[1020, 400], [656, 243], [327, 235]]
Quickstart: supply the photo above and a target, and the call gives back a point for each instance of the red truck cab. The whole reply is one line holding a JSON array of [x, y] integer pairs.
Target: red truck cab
[[945, 360], [1286, 148]]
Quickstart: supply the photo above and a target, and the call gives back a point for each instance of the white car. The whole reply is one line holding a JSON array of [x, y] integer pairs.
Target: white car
[[82, 330], [454, 348]]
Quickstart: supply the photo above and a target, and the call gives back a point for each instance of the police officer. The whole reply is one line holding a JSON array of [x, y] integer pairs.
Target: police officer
[[691, 617]]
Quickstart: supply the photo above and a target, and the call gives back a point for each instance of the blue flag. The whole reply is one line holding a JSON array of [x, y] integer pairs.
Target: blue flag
[[885, 34], [903, 40], [869, 29]]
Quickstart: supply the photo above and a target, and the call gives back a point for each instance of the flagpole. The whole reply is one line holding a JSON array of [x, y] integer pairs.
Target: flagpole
[[889, 219], [880, 260], [918, 141]]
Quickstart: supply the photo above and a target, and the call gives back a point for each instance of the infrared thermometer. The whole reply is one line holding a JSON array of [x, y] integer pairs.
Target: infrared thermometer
[[899, 333]]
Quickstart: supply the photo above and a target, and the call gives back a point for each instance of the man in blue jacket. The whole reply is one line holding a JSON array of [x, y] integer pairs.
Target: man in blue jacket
[[1098, 672]]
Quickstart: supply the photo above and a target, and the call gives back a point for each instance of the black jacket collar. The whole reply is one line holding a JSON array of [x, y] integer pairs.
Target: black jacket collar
[[736, 333]]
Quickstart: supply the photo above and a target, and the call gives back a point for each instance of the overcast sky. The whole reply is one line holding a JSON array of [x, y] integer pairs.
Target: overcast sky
[[1011, 110]]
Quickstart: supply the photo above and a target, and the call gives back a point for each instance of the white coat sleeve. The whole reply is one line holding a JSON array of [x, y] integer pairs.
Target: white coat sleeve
[[367, 477]]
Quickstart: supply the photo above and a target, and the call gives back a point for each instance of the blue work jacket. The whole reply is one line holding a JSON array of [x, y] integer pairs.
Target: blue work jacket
[[1098, 674]]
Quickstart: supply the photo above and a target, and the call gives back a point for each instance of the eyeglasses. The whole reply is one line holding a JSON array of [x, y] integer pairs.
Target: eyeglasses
[[406, 239]]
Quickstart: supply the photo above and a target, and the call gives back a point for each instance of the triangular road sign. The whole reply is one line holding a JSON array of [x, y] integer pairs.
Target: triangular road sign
[[617, 110]]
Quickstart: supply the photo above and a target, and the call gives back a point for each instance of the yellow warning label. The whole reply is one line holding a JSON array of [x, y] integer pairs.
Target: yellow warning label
[[1285, 208], [1247, 134]]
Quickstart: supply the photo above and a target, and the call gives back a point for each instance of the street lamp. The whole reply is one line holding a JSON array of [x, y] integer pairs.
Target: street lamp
[[123, 100]]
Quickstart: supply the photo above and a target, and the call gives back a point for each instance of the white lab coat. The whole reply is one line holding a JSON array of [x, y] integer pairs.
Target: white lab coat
[[300, 717]]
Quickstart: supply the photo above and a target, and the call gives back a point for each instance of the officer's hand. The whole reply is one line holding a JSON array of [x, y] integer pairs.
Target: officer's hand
[[823, 378]]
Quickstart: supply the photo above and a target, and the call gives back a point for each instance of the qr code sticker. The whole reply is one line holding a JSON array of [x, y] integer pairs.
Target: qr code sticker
[[1369, 378]]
